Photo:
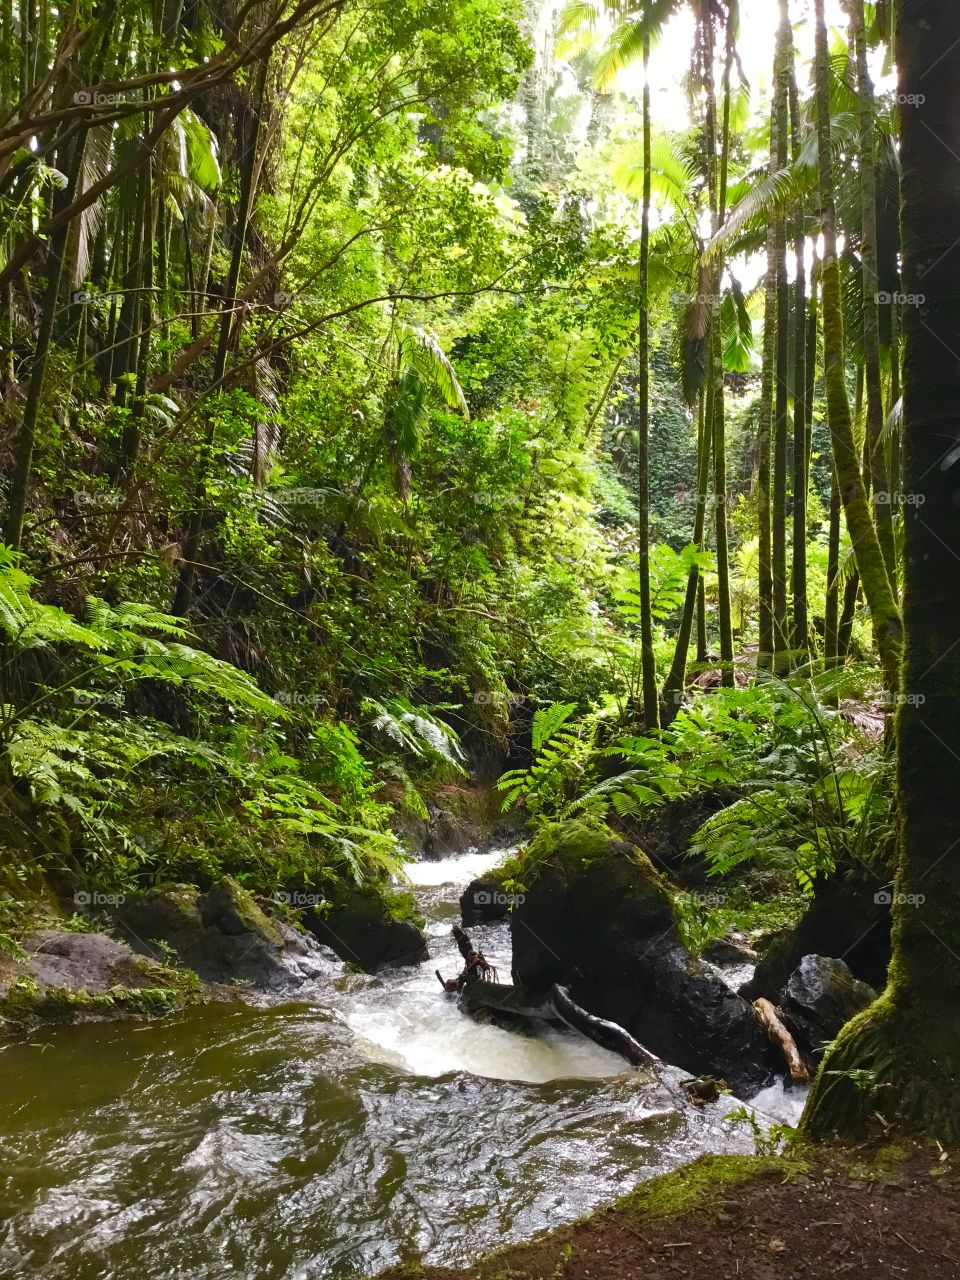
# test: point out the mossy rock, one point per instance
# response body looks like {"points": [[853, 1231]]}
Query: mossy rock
{"points": [[223, 935], [595, 915], [23, 1008], [370, 926], [581, 882], [666, 834], [458, 816], [845, 919], [227, 906], [64, 975]]}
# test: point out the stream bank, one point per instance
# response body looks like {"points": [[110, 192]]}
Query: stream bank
{"points": [[324, 1137], [823, 1212]]}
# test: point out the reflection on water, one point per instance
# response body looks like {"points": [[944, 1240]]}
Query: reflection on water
{"points": [[320, 1140]]}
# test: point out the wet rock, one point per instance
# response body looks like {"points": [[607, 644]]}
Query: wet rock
{"points": [[361, 930], [599, 918], [222, 935], [848, 917], [459, 817], [820, 997], [64, 975], [87, 962], [728, 951], [482, 901]]}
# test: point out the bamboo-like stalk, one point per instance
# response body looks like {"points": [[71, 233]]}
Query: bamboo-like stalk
{"points": [[870, 562]]}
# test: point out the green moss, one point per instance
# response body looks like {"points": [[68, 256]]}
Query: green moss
{"points": [[571, 847], [401, 904], [228, 899], [27, 1004], [702, 1184]]}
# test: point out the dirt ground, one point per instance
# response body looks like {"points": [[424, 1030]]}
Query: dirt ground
{"points": [[846, 1214]]}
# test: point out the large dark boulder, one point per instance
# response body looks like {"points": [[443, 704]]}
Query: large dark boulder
{"points": [[597, 917], [820, 997], [483, 901], [358, 926], [222, 935], [849, 917]]}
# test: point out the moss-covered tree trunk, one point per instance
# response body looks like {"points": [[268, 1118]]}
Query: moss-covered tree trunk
{"points": [[764, 444], [676, 680], [781, 417], [648, 660], [882, 498], [716, 183], [863, 533], [900, 1059], [800, 636]]}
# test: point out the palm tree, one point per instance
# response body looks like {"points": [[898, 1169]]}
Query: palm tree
{"points": [[421, 371], [900, 1058]]}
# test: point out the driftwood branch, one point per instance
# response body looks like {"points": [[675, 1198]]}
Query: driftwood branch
{"points": [[769, 1019]]}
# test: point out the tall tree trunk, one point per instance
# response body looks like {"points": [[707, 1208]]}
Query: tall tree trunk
{"points": [[191, 544], [26, 439], [800, 640], [781, 417], [716, 182], [676, 680], [870, 562], [831, 619], [141, 343], [882, 498], [651, 710], [900, 1058], [767, 637]]}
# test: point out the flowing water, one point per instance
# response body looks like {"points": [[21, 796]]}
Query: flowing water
{"points": [[369, 1122]]}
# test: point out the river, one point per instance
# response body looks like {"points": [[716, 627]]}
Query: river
{"points": [[325, 1139]]}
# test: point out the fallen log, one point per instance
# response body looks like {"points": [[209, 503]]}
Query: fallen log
{"points": [[610, 1035], [479, 989], [770, 1021], [502, 998], [558, 1006]]}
